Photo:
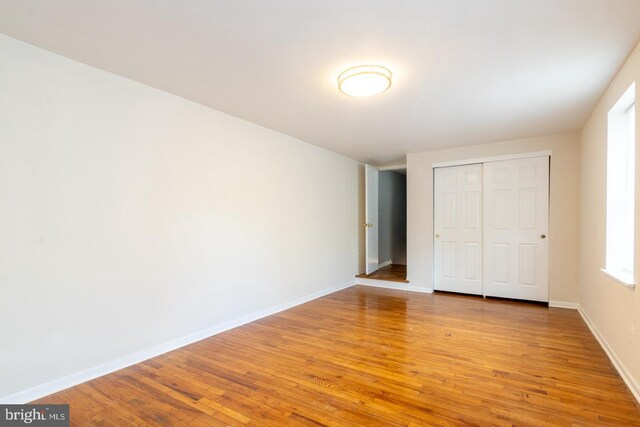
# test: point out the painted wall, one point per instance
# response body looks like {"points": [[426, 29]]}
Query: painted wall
{"points": [[131, 217], [612, 308], [392, 217], [563, 225]]}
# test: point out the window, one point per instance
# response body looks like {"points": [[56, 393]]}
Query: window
{"points": [[621, 143]]}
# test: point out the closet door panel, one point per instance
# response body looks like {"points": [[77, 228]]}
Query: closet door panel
{"points": [[458, 229], [516, 216]]}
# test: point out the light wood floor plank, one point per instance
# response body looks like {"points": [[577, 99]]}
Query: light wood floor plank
{"points": [[372, 356]]}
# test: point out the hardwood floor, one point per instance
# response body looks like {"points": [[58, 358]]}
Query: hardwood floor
{"points": [[391, 272], [367, 356]]}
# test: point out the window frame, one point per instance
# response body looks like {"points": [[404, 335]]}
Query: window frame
{"points": [[620, 203]]}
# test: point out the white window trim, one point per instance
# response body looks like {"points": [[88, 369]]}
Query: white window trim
{"points": [[625, 279]]}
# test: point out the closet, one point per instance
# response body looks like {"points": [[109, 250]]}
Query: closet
{"points": [[491, 228]]}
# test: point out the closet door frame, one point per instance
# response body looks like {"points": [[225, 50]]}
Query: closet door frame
{"points": [[482, 160], [491, 159]]}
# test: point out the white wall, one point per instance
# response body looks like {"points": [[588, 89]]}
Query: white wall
{"points": [[563, 224], [130, 217], [613, 309]]}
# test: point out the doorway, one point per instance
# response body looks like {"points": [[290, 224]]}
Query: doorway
{"points": [[386, 224]]}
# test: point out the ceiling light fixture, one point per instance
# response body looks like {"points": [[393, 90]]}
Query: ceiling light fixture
{"points": [[364, 80]]}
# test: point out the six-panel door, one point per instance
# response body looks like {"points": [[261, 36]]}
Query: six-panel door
{"points": [[458, 229], [516, 220]]}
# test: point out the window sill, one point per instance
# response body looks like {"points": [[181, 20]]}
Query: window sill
{"points": [[625, 280]]}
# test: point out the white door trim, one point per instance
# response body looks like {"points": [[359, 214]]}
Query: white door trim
{"points": [[491, 159], [394, 167]]}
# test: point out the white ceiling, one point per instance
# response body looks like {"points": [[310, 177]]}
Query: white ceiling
{"points": [[465, 71]]}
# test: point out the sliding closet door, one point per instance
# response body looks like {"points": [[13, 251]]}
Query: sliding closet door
{"points": [[516, 219], [458, 229]]}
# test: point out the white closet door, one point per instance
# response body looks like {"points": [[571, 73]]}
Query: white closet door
{"points": [[516, 220], [458, 229]]}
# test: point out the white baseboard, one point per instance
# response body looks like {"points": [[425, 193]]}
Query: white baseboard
{"points": [[388, 284], [382, 283], [622, 370], [384, 264], [65, 382], [563, 304], [424, 290]]}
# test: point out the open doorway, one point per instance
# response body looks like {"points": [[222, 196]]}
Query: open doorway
{"points": [[386, 224]]}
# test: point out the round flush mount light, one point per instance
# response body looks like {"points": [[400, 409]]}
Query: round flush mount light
{"points": [[364, 80]]}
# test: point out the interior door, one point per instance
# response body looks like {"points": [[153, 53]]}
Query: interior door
{"points": [[516, 243], [458, 229], [371, 218]]}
